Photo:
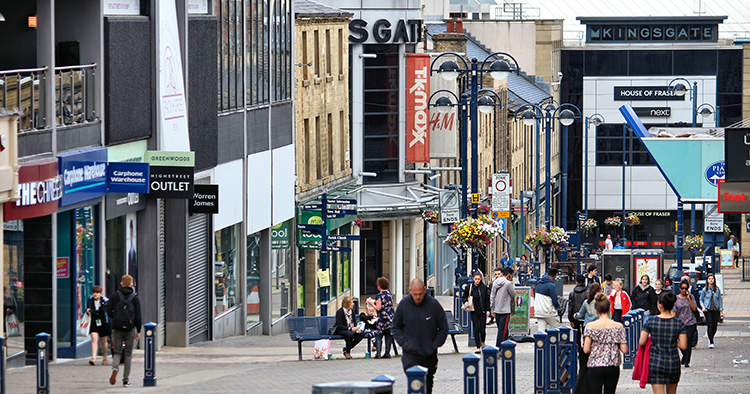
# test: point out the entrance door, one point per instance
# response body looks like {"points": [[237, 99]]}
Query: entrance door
{"points": [[371, 260]]}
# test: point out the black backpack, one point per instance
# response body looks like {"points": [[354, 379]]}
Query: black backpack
{"points": [[123, 316]]}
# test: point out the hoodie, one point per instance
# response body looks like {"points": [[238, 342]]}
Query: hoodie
{"points": [[576, 299], [115, 300], [420, 329], [545, 298], [502, 296]]}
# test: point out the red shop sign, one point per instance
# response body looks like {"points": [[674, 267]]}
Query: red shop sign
{"points": [[417, 110], [39, 188]]}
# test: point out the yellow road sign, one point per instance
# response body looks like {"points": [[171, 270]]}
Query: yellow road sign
{"points": [[475, 198]]}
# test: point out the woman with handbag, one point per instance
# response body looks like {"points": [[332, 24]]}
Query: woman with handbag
{"points": [[713, 307], [476, 300], [684, 309], [99, 328]]}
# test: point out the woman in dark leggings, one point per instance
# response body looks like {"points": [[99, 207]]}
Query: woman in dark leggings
{"points": [[713, 307], [604, 339], [481, 300]]}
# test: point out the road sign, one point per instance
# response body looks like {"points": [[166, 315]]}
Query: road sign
{"points": [[501, 191], [581, 217], [332, 248], [343, 237], [449, 207], [311, 227], [518, 209], [342, 201], [308, 207], [500, 214], [501, 224], [311, 245], [341, 212], [475, 198], [713, 220]]}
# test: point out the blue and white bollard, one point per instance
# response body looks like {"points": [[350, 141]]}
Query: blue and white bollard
{"points": [[42, 363], [489, 358], [508, 365], [629, 321], [471, 373], [416, 378], [540, 363], [552, 354], [568, 359], [2, 365], [384, 379], [149, 365]]}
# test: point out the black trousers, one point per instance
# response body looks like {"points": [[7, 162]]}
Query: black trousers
{"points": [[691, 331], [617, 316], [409, 360], [603, 379], [352, 339], [503, 320], [479, 323], [582, 381], [712, 320]]}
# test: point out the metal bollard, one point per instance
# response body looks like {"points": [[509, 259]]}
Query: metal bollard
{"points": [[552, 353], [300, 312], [508, 360], [431, 291], [489, 359], [416, 378], [323, 312], [628, 322], [284, 309], [568, 359], [42, 363], [471, 373], [149, 365], [540, 370], [385, 379], [2, 365]]}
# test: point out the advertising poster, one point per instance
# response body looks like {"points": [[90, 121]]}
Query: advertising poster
{"points": [[132, 245], [63, 268], [519, 320], [647, 266], [726, 258]]}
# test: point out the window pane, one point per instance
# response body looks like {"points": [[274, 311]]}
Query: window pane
{"points": [[605, 63], [225, 268], [650, 62]]}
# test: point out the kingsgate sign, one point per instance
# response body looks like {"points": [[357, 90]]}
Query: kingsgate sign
{"points": [[417, 110]]}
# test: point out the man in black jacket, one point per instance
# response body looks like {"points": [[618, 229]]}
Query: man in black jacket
{"points": [[420, 328], [576, 298], [124, 310]]}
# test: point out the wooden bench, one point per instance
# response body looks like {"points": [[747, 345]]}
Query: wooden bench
{"points": [[313, 328], [454, 328]]}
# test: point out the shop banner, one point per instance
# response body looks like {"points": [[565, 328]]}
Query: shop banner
{"points": [[39, 189], [171, 182], [172, 126], [84, 175], [417, 110], [205, 199], [280, 236], [170, 159], [443, 127], [128, 178]]}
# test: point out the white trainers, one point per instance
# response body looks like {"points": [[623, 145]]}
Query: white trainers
{"points": [[710, 345]]}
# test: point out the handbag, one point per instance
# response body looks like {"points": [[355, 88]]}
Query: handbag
{"points": [[12, 328], [468, 306], [322, 349], [699, 315], [83, 326]]}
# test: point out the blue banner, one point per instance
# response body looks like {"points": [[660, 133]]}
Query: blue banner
{"points": [[84, 175], [128, 177]]}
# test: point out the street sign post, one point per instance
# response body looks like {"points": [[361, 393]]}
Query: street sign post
{"points": [[713, 221], [501, 191], [449, 207]]}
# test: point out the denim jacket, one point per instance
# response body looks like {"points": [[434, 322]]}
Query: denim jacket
{"points": [[707, 294]]}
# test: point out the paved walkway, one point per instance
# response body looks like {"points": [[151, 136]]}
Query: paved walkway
{"points": [[262, 364]]}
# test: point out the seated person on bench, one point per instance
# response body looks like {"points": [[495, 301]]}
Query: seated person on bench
{"points": [[345, 325]]}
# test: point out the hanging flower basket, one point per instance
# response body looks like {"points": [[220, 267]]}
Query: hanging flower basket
{"points": [[483, 209], [694, 244], [588, 224], [430, 216], [473, 233], [555, 238], [358, 222], [613, 221], [632, 219], [727, 230]]}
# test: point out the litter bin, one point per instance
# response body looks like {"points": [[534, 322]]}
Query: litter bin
{"points": [[559, 285], [353, 388]]}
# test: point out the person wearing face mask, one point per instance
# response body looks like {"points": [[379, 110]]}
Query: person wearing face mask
{"points": [[619, 301], [684, 309], [643, 296]]}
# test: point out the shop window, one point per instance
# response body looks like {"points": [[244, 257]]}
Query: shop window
{"points": [[13, 284], [281, 271], [225, 269], [253, 279]]}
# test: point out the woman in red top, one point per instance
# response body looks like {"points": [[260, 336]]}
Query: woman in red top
{"points": [[619, 302]]}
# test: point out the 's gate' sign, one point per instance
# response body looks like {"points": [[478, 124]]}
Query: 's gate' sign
{"points": [[417, 111]]}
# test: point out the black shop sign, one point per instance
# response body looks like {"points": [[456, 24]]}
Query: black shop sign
{"points": [[646, 93], [205, 199], [653, 112], [737, 154], [171, 182]]}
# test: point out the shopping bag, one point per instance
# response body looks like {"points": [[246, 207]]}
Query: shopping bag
{"points": [[83, 326], [468, 306], [322, 349], [11, 326]]}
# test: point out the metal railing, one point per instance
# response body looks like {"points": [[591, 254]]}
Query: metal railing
{"points": [[745, 269], [21, 90], [75, 95]]}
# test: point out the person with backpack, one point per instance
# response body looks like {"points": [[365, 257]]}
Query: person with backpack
{"points": [[124, 309]]}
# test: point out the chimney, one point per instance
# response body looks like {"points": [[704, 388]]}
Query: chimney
{"points": [[449, 42]]}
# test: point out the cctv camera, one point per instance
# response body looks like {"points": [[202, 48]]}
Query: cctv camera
{"points": [[559, 76]]}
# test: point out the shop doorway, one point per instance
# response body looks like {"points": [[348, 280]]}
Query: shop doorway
{"points": [[371, 260]]}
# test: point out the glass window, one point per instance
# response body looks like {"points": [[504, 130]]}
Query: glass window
{"points": [[606, 63], [280, 276], [609, 147], [344, 262], [253, 278], [225, 268], [85, 259], [695, 62], [282, 48], [381, 113], [231, 82], [13, 283], [650, 62]]}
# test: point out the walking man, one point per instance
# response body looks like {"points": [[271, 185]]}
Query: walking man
{"points": [[503, 303], [545, 301], [420, 328], [124, 309], [592, 276]]}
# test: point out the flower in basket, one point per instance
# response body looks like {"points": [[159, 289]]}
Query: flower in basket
{"points": [[588, 224], [727, 230], [473, 233], [430, 216], [555, 238], [483, 209], [614, 221], [358, 222], [694, 244], [632, 219]]}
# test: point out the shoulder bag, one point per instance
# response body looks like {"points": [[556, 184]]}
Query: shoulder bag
{"points": [[468, 306]]}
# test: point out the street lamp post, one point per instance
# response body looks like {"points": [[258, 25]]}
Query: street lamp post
{"points": [[596, 120], [478, 100], [624, 163]]}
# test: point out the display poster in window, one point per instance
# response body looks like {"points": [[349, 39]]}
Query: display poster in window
{"points": [[647, 266], [324, 279], [519, 319], [122, 7], [131, 240], [63, 267], [726, 258]]}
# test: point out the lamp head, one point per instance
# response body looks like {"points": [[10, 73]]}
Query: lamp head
{"points": [[449, 70], [499, 70], [567, 117], [528, 117], [443, 104], [485, 104], [596, 119], [679, 89], [706, 112]]}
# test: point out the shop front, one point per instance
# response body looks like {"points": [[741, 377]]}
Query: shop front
{"points": [[28, 264], [79, 237]]}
